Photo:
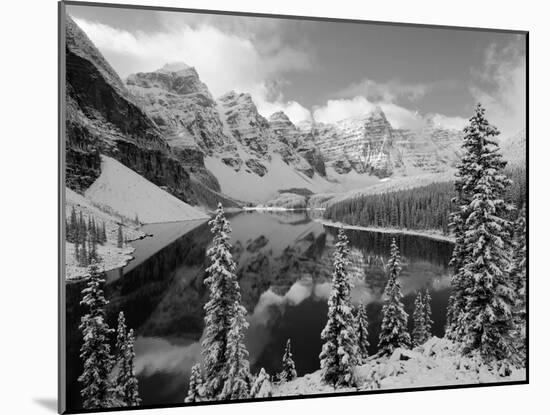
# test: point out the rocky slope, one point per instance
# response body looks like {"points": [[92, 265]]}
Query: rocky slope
{"points": [[104, 117], [370, 145], [514, 148]]}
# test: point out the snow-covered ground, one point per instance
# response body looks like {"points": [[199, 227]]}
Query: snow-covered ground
{"points": [[250, 187], [432, 234], [123, 191], [436, 363], [110, 255]]}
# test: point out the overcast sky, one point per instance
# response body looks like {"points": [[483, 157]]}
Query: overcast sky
{"points": [[325, 70]]}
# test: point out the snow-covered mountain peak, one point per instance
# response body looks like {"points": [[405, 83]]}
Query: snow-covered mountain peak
{"points": [[174, 67]]}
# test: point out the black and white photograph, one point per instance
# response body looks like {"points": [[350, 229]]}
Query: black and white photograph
{"points": [[262, 207]]}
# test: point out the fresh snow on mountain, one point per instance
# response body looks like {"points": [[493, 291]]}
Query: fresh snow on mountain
{"points": [[249, 186], [127, 193]]}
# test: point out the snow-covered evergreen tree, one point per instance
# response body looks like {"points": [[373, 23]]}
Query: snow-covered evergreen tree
{"points": [[194, 394], [97, 389], [483, 292], [419, 335], [518, 270], [236, 384], [362, 332], [428, 313], [126, 381], [261, 388], [223, 309], [289, 368], [339, 354], [130, 385], [393, 333]]}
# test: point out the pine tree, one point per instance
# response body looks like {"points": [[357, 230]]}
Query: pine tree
{"points": [[126, 381], [362, 333], [130, 386], [261, 388], [92, 252], [83, 254], [97, 389], [289, 368], [484, 295], [393, 333], [103, 233], [120, 347], [194, 393], [120, 237], [339, 354], [238, 370], [428, 316], [419, 318], [223, 310], [72, 228]]}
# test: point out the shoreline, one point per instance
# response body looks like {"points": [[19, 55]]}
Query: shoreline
{"points": [[277, 209], [438, 236]]}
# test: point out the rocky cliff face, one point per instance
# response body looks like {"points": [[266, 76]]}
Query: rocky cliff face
{"points": [[183, 108], [260, 137], [104, 117], [370, 145]]}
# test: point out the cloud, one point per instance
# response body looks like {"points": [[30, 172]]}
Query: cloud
{"points": [[385, 91], [225, 60], [501, 86], [359, 106], [453, 123]]}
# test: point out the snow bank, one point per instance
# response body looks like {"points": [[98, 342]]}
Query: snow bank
{"points": [[125, 192], [436, 363], [426, 233]]}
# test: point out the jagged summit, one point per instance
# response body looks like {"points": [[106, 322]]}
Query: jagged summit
{"points": [[377, 113], [174, 67], [279, 116]]}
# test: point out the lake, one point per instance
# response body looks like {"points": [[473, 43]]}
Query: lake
{"points": [[284, 269]]}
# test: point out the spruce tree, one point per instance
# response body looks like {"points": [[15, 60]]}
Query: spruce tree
{"points": [[103, 233], [362, 333], [261, 388], [289, 368], [428, 316], [419, 317], [120, 237], [126, 381], [484, 293], [393, 332], [83, 254], [120, 348], [339, 354], [194, 393], [223, 309], [97, 389], [236, 384], [129, 385], [72, 228]]}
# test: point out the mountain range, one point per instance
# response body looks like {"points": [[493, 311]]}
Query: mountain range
{"points": [[166, 126]]}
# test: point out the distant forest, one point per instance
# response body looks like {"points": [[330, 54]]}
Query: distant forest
{"points": [[425, 207]]}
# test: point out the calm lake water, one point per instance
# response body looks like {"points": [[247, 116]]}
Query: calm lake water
{"points": [[284, 269]]}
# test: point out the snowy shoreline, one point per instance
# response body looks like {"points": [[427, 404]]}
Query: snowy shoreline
{"points": [[436, 235], [276, 209]]}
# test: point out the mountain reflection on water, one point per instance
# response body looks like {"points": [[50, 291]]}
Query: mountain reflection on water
{"points": [[284, 269]]}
